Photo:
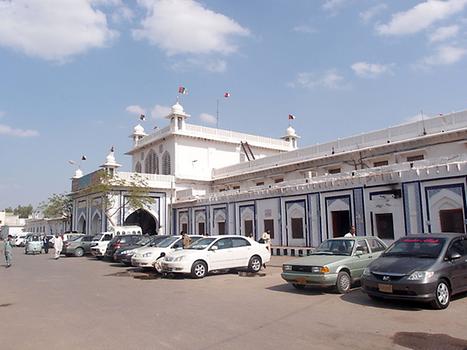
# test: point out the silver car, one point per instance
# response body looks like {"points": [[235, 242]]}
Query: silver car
{"points": [[78, 246]]}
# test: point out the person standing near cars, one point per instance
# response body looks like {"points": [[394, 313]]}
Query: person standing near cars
{"points": [[8, 250], [351, 233], [186, 240], [58, 246], [45, 244]]}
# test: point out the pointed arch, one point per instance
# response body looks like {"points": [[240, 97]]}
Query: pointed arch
{"points": [[138, 167], [166, 164], [155, 163]]}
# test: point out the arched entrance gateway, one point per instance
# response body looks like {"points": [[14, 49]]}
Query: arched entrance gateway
{"points": [[143, 219]]}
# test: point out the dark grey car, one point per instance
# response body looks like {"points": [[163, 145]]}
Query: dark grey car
{"points": [[78, 247], [428, 267]]}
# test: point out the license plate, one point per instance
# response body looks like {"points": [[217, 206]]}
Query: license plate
{"points": [[300, 280], [385, 288]]}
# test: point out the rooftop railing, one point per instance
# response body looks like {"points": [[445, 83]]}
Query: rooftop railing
{"points": [[445, 123]]}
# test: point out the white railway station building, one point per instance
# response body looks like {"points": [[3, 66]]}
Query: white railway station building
{"points": [[388, 183]]}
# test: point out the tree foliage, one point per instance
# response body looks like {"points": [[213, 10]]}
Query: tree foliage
{"points": [[106, 184], [22, 211], [57, 206]]}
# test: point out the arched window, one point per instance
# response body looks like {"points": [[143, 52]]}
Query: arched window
{"points": [[155, 164], [166, 167], [138, 167]]}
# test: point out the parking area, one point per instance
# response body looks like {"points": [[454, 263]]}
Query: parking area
{"points": [[77, 303]]}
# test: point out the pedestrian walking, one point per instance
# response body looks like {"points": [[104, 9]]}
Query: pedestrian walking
{"points": [[45, 244], [58, 246], [8, 250]]}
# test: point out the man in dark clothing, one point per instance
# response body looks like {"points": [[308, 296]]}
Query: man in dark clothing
{"points": [[45, 244]]}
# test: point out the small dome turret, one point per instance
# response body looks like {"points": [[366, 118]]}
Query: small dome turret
{"points": [[291, 137]]}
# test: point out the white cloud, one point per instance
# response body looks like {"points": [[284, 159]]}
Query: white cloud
{"points": [[444, 33], [135, 109], [330, 79], [208, 118], [333, 5], [9, 131], [444, 55], [421, 17], [53, 30], [213, 65], [187, 27], [370, 70], [159, 112], [304, 28], [369, 14]]}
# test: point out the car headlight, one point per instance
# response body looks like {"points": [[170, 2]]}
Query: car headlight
{"points": [[286, 267], [128, 252], [420, 275], [179, 258], [366, 272], [316, 269], [147, 255]]}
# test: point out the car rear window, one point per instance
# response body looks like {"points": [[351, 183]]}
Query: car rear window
{"points": [[417, 247]]}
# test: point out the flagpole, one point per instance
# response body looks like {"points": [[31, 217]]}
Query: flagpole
{"points": [[217, 114]]}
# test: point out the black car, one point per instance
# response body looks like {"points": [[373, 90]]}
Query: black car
{"points": [[124, 254], [119, 242], [428, 267]]}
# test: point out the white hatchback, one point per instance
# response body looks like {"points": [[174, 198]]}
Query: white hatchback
{"points": [[148, 256], [217, 253]]}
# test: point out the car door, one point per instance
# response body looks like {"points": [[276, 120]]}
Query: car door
{"points": [[242, 251], [223, 256], [458, 267], [362, 256]]}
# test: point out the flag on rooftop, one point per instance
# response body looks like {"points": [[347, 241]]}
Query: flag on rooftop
{"points": [[291, 117], [182, 90], [83, 158], [142, 117], [227, 94]]}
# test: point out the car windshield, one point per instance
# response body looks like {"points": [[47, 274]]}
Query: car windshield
{"points": [[335, 247], [201, 244], [87, 238], [167, 242], [97, 237], [417, 247], [144, 240]]}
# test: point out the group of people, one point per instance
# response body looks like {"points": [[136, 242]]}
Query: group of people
{"points": [[8, 245]]}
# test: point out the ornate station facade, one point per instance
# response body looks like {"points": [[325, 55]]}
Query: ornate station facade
{"points": [[388, 183]]}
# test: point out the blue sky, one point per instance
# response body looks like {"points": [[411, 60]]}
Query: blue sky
{"points": [[75, 74]]}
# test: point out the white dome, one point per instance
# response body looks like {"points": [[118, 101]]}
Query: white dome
{"points": [[138, 130], [291, 131], [177, 109], [110, 159]]}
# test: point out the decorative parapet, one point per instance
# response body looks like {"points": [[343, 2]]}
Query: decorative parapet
{"points": [[404, 132]]}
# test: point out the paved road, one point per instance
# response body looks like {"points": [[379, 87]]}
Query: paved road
{"points": [[82, 303]]}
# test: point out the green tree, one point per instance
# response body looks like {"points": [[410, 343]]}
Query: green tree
{"points": [[57, 206], [23, 211], [106, 184]]}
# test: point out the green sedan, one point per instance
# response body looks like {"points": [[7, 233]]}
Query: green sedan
{"points": [[337, 262]]}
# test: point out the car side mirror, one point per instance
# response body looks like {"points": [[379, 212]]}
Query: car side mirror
{"points": [[359, 252], [214, 248], [454, 255]]}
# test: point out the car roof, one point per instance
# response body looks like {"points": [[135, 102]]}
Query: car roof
{"points": [[448, 235]]}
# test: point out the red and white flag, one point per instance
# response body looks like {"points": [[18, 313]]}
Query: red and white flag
{"points": [[182, 90], [291, 117], [227, 94]]}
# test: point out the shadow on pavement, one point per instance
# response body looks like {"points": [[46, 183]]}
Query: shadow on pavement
{"points": [[356, 296], [6, 305], [288, 288], [427, 341]]}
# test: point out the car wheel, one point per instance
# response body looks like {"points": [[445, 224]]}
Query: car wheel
{"points": [[255, 264], [79, 252], [199, 269], [343, 282], [442, 296], [298, 286], [158, 265]]}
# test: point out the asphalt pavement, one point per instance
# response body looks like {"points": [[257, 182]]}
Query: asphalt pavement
{"points": [[83, 303]]}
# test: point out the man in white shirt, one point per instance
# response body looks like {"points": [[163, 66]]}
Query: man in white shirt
{"points": [[351, 233]]}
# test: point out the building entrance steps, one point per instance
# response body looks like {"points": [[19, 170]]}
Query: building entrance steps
{"points": [[291, 251]]}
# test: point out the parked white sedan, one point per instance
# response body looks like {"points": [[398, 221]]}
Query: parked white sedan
{"points": [[217, 253], [148, 256]]}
